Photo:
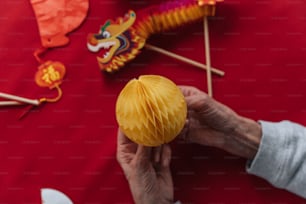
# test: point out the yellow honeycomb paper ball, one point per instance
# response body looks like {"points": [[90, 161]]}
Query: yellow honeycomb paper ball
{"points": [[151, 110]]}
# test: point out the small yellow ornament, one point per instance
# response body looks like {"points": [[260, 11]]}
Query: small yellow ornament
{"points": [[151, 110]]}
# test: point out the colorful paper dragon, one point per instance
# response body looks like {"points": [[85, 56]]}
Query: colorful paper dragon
{"points": [[120, 41]]}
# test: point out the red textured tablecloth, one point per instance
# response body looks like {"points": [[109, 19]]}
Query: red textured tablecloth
{"points": [[70, 145]]}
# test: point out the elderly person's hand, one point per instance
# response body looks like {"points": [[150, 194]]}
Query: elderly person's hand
{"points": [[147, 170], [214, 124]]}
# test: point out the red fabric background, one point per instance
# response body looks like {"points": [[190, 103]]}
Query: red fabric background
{"points": [[70, 145]]}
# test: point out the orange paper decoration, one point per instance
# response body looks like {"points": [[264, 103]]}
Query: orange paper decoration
{"points": [[56, 18]]}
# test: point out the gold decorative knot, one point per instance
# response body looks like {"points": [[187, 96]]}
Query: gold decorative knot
{"points": [[50, 75]]}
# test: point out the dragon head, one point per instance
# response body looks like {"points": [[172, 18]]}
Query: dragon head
{"points": [[116, 42]]}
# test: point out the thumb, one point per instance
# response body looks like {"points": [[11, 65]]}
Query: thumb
{"points": [[184, 132], [165, 157], [164, 171]]}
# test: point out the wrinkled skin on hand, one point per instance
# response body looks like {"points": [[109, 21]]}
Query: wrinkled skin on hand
{"points": [[147, 170], [214, 124]]}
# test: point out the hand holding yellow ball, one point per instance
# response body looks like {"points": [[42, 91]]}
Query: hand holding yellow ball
{"points": [[151, 110]]}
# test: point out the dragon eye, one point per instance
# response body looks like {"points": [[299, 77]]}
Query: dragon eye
{"points": [[106, 34]]}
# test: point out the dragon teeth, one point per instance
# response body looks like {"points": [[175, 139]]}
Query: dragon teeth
{"points": [[107, 44], [106, 55]]}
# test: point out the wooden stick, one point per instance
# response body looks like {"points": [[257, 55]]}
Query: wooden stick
{"points": [[183, 59], [207, 54], [10, 103], [34, 102]]}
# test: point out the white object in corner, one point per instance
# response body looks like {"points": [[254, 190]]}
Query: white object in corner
{"points": [[52, 196]]}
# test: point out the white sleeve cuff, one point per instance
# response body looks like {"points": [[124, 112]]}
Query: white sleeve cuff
{"points": [[281, 157]]}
